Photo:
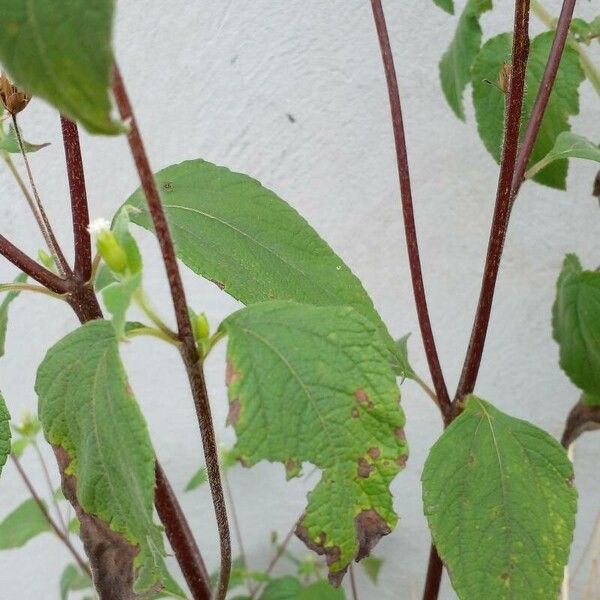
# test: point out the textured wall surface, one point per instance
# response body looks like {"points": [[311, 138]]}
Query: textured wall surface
{"points": [[292, 92]]}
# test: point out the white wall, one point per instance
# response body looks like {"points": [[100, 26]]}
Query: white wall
{"points": [[216, 79]]}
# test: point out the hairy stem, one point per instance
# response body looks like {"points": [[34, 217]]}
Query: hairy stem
{"points": [[541, 102], [408, 213], [79, 203], [32, 268], [39, 213], [61, 536], [29, 287], [189, 351]]}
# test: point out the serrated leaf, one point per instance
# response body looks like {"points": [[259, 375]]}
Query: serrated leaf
{"points": [[61, 51], [73, 580], [446, 5], [10, 296], [10, 143], [564, 100], [312, 384], [22, 524], [576, 326], [455, 66], [199, 478], [567, 145], [236, 233], [372, 566], [498, 494], [87, 407], [5, 433]]}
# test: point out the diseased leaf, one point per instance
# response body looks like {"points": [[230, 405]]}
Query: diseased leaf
{"points": [[576, 326], [73, 580], [498, 494], [61, 51], [567, 145], [236, 233], [563, 103], [21, 525], [199, 478], [312, 384], [5, 433], [10, 296], [446, 5], [87, 408], [10, 143], [455, 66]]}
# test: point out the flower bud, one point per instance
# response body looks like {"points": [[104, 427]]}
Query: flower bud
{"points": [[201, 327], [108, 246], [13, 99]]}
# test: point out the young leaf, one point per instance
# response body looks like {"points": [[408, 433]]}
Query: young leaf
{"points": [[372, 566], [447, 5], [199, 478], [61, 51], [312, 384], [563, 102], [22, 524], [231, 230], [405, 370], [73, 580], [498, 494], [576, 326], [10, 143], [455, 66], [117, 297], [87, 408], [5, 434], [567, 145], [4, 312]]}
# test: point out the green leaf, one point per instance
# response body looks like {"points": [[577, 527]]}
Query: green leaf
{"points": [[4, 312], [455, 66], [576, 326], [447, 5], [87, 407], [61, 51], [405, 370], [498, 494], [199, 478], [567, 145], [117, 297], [312, 384], [372, 566], [10, 143], [22, 524], [564, 100], [321, 590], [104, 278], [284, 588], [231, 230], [5, 433], [73, 580]]}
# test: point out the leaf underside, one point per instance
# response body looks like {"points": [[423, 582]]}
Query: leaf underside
{"points": [[564, 100], [312, 384], [499, 498], [231, 230]]}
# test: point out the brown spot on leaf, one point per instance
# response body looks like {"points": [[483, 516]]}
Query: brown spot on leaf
{"points": [[292, 468], [219, 284], [399, 433], [401, 460], [363, 399], [471, 459], [505, 576], [231, 374], [234, 412], [374, 452], [167, 186], [332, 554], [354, 413], [364, 467], [370, 528]]}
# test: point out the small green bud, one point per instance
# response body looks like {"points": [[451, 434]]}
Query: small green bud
{"points": [[108, 246], [46, 260], [201, 327]]}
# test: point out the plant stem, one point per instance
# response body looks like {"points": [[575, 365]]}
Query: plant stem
{"points": [[65, 540], [32, 268], [541, 102], [503, 204], [408, 213], [39, 213], [151, 332], [590, 70], [50, 487], [433, 579], [353, 583], [142, 301], [79, 203], [189, 351], [28, 287]]}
